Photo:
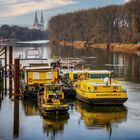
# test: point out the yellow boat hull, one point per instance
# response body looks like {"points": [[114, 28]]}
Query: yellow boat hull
{"points": [[101, 98], [52, 109]]}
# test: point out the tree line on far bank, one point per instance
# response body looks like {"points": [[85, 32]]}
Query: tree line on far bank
{"points": [[21, 33], [110, 24]]}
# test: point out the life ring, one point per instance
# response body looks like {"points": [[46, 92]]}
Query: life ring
{"points": [[30, 80]]}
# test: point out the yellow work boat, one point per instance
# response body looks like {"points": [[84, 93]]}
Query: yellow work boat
{"points": [[51, 100], [100, 88]]}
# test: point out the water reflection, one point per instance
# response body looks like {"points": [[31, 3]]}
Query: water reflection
{"points": [[98, 117], [53, 125], [23, 51], [30, 108], [0, 99]]}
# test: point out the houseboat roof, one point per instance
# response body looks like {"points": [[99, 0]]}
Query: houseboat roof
{"points": [[78, 71], [59, 84], [37, 68], [39, 64], [99, 71]]}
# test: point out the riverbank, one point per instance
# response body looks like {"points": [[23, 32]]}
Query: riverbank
{"points": [[130, 48]]}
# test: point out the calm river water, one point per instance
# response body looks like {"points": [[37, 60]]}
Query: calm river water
{"points": [[84, 122]]}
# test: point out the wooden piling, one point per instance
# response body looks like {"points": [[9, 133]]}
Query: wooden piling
{"points": [[2, 52], [5, 78], [10, 70], [2, 95], [1, 81], [0, 98], [16, 117], [16, 77], [16, 99]]}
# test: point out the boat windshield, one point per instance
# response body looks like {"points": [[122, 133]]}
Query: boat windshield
{"points": [[91, 76], [54, 88], [64, 67]]}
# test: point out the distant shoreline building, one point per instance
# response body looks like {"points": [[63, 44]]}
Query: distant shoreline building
{"points": [[38, 25]]}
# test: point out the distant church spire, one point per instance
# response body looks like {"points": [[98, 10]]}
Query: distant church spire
{"points": [[42, 18], [38, 25], [36, 18]]}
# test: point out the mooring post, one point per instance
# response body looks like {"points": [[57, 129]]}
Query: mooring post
{"points": [[10, 70], [16, 77], [16, 117], [1, 81], [2, 95], [5, 81], [16, 98]]}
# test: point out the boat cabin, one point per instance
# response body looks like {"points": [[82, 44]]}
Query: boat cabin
{"points": [[77, 74], [51, 100], [51, 90], [74, 75], [98, 74], [99, 85], [40, 75]]}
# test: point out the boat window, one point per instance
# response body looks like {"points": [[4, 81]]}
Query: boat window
{"points": [[50, 88], [51, 96], [115, 88], [59, 96], [61, 72], [56, 88], [66, 76], [91, 76], [105, 75], [35, 75], [76, 76], [48, 75], [71, 67], [49, 101]]}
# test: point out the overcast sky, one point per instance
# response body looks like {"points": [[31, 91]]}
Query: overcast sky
{"points": [[21, 12]]}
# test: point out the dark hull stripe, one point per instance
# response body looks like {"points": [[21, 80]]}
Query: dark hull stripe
{"points": [[53, 111], [101, 101]]}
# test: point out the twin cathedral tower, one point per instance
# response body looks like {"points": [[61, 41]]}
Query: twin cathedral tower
{"points": [[39, 25]]}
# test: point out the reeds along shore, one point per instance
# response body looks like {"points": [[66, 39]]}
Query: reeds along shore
{"points": [[132, 48]]}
